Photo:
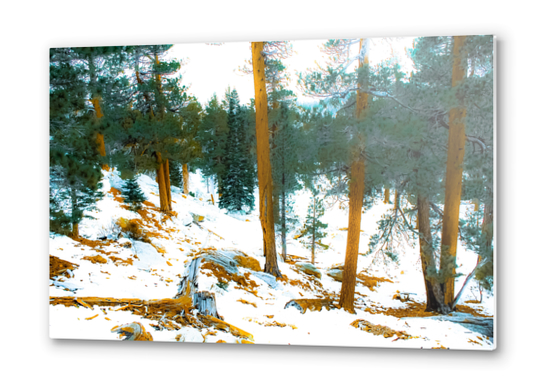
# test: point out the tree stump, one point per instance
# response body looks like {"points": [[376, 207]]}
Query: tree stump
{"points": [[203, 301]]}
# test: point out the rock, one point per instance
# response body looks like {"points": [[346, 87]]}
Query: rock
{"points": [[267, 278], [185, 219], [336, 274], [482, 325], [309, 269], [311, 304], [197, 218], [147, 256]]}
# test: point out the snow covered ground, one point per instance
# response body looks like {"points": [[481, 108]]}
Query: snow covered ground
{"points": [[134, 269]]}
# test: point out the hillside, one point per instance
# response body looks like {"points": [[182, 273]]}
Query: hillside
{"points": [[128, 267]]}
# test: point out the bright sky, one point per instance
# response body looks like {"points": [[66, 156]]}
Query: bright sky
{"points": [[213, 68]]}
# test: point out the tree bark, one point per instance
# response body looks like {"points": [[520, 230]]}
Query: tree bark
{"points": [[487, 223], [99, 136], [168, 183], [313, 245], [435, 299], [355, 203], [454, 175], [357, 185], [75, 225], [186, 179], [161, 180], [283, 222], [265, 182], [387, 196]]}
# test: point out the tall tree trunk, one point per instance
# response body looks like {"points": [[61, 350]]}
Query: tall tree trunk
{"points": [[355, 203], [75, 225], [454, 175], [396, 203], [434, 295], [99, 136], [313, 245], [487, 223], [168, 183], [186, 179], [487, 232], [283, 223], [265, 181], [386, 196], [162, 189], [476, 203], [355, 196]]}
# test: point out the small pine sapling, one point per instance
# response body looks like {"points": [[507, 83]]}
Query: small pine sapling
{"points": [[314, 227], [132, 194]]}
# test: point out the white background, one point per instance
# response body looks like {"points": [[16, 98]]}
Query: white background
{"points": [[29, 29]]}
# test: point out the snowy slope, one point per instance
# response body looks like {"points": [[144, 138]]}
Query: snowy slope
{"points": [[134, 269]]}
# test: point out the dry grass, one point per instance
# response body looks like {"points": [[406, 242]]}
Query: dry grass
{"points": [[372, 282], [95, 259], [59, 267], [377, 329], [414, 309]]}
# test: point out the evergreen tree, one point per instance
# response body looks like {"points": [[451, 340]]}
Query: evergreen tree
{"points": [[285, 148], [214, 137], [132, 194], [175, 174], [75, 164], [159, 122], [238, 181], [314, 227]]}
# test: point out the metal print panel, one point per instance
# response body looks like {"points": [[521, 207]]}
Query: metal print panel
{"points": [[326, 193]]}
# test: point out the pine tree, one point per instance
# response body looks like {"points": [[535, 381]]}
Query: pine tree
{"points": [[159, 122], [213, 135], [314, 227], [265, 181], [132, 194], [415, 163], [285, 145], [237, 189], [175, 174], [75, 164]]}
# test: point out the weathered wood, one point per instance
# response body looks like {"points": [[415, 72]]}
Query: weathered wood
{"points": [[168, 307], [211, 321], [133, 331], [203, 301]]}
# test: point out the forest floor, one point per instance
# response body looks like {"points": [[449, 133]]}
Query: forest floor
{"points": [[125, 270]]}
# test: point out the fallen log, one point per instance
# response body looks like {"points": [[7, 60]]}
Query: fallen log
{"points": [[133, 331], [211, 321], [148, 308]]}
